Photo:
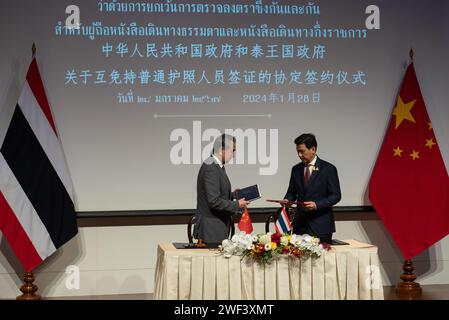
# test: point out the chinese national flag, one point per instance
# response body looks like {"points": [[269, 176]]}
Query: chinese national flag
{"points": [[245, 223], [409, 186]]}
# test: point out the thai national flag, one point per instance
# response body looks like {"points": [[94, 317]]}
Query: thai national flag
{"points": [[283, 224], [37, 214]]}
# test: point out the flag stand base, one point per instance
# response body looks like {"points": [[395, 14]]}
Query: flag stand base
{"points": [[408, 288], [29, 288], [200, 244]]}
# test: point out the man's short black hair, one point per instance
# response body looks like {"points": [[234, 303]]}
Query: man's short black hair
{"points": [[308, 139]]}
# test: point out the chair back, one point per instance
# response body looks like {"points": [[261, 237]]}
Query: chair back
{"points": [[191, 224]]}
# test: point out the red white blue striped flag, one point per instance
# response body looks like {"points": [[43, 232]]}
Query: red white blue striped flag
{"points": [[283, 224], [37, 213]]}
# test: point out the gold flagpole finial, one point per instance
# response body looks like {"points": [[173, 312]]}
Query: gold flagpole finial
{"points": [[412, 53], [33, 49]]}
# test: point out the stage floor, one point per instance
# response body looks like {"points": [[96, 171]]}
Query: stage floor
{"points": [[430, 292]]}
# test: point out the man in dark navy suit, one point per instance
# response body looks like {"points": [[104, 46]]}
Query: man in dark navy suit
{"points": [[314, 182]]}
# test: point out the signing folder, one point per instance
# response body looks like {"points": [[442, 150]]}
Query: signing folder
{"points": [[250, 193]]}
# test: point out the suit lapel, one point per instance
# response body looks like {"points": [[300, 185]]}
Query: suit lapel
{"points": [[315, 172], [212, 161], [301, 175], [227, 182], [224, 174]]}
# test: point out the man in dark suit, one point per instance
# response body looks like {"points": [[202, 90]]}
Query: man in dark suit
{"points": [[314, 182], [215, 206]]}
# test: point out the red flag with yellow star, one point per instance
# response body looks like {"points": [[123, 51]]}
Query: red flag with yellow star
{"points": [[245, 223], [409, 186]]}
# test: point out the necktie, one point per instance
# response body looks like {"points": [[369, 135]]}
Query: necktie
{"points": [[307, 174]]}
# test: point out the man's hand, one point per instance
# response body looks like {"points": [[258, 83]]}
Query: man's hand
{"points": [[309, 205], [286, 203], [234, 193], [243, 203]]}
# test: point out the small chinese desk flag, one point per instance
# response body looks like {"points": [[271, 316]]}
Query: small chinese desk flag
{"points": [[245, 223]]}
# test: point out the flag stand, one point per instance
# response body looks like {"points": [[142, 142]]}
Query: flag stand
{"points": [[200, 244], [28, 288], [408, 288]]}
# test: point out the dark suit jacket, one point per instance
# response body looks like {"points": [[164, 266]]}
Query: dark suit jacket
{"points": [[324, 189], [214, 203]]}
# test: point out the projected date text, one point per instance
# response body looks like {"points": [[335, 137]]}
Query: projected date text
{"points": [[276, 98]]}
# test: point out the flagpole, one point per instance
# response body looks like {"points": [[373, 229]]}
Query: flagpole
{"points": [[408, 288], [29, 289]]}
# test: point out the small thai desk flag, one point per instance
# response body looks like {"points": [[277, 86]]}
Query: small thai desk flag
{"points": [[37, 214], [283, 224]]}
